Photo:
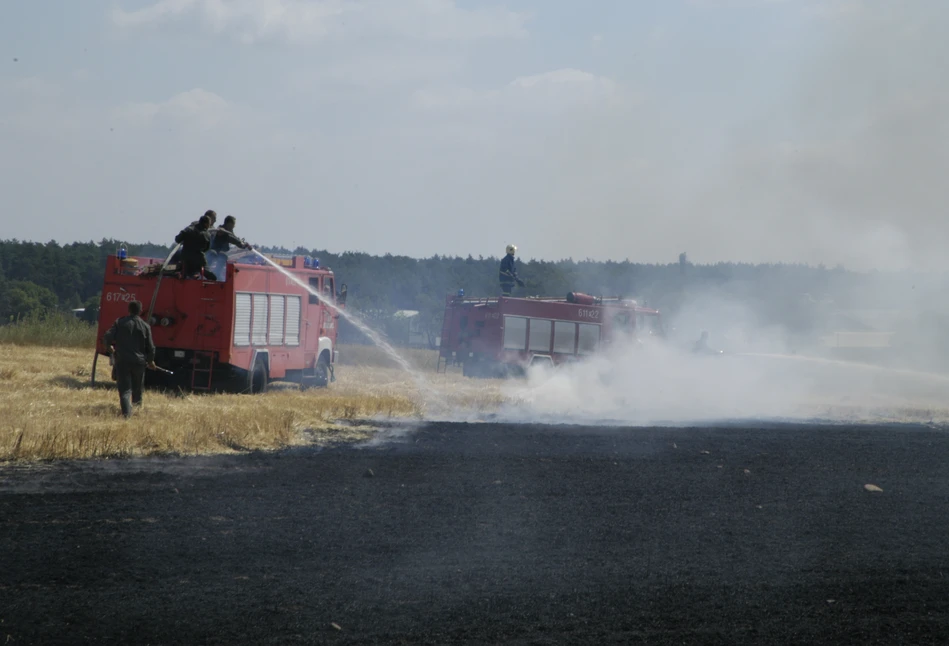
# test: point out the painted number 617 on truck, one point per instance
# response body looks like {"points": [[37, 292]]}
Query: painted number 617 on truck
{"points": [[118, 297]]}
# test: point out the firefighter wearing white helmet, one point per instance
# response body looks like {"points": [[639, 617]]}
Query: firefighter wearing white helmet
{"points": [[508, 273]]}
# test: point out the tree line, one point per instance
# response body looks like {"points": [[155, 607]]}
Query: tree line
{"points": [[37, 278]]}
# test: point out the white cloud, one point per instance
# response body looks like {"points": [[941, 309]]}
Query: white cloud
{"points": [[445, 20], [549, 91], [299, 21], [375, 70], [247, 20], [195, 108], [566, 83]]}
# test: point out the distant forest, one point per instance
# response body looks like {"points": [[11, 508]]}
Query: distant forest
{"points": [[44, 277]]}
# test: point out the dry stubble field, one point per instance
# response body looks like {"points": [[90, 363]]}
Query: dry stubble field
{"points": [[48, 410]]}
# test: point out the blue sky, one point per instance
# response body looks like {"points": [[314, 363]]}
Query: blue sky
{"points": [[756, 130]]}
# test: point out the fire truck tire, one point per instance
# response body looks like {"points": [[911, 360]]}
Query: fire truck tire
{"points": [[320, 377], [509, 370], [258, 377], [471, 369]]}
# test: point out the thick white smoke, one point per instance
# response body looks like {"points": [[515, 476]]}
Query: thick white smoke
{"points": [[747, 371], [658, 384]]}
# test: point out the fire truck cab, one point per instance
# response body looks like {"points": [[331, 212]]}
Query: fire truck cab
{"points": [[251, 326], [502, 336]]}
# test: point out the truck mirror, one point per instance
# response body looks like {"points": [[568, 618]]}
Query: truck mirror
{"points": [[341, 297]]}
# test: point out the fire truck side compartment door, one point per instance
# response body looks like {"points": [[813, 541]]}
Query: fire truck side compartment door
{"points": [[242, 319], [515, 332], [565, 337], [277, 309], [259, 323], [293, 320]]}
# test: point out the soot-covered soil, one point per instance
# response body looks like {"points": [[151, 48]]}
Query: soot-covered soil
{"points": [[457, 533]]}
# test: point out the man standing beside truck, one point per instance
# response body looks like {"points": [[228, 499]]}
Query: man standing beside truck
{"points": [[129, 341]]}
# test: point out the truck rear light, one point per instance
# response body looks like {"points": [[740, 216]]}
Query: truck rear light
{"points": [[153, 321], [165, 322]]}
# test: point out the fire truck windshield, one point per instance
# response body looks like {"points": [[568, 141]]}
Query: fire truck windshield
{"points": [[648, 323]]}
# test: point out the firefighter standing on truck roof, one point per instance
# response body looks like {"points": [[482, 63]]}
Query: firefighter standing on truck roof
{"points": [[221, 240], [129, 341], [508, 273], [195, 240], [212, 215], [223, 237]]}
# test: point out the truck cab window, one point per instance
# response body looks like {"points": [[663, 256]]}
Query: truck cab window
{"points": [[314, 286]]}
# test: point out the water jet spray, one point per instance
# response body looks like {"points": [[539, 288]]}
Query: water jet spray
{"points": [[428, 394]]}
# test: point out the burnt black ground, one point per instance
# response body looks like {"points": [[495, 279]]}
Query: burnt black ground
{"points": [[492, 534]]}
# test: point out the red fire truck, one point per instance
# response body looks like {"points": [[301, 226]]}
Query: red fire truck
{"points": [[251, 326], [502, 336]]}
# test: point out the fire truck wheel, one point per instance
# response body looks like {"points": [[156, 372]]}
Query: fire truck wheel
{"points": [[470, 369], [320, 377], [322, 372], [258, 378]]}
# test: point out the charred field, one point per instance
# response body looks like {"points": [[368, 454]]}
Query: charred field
{"points": [[491, 533]]}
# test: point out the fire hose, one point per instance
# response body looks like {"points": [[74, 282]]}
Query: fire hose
{"points": [[155, 368], [161, 271]]}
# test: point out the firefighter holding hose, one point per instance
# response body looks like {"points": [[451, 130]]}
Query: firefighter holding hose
{"points": [[130, 345], [221, 240], [508, 272], [223, 237]]}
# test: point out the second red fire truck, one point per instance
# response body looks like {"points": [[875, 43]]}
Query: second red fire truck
{"points": [[501, 336]]}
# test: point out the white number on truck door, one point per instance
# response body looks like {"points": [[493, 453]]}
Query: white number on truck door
{"points": [[120, 297]]}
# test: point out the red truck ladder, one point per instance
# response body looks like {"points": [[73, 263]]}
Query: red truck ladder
{"points": [[202, 367]]}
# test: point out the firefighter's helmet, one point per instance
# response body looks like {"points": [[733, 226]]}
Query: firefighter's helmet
{"points": [[511, 249]]}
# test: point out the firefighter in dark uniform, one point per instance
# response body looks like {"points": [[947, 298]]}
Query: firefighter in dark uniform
{"points": [[195, 240], [129, 341], [223, 237], [508, 273], [211, 214], [221, 240]]}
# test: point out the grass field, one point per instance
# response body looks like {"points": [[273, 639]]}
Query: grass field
{"points": [[57, 329], [48, 410]]}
